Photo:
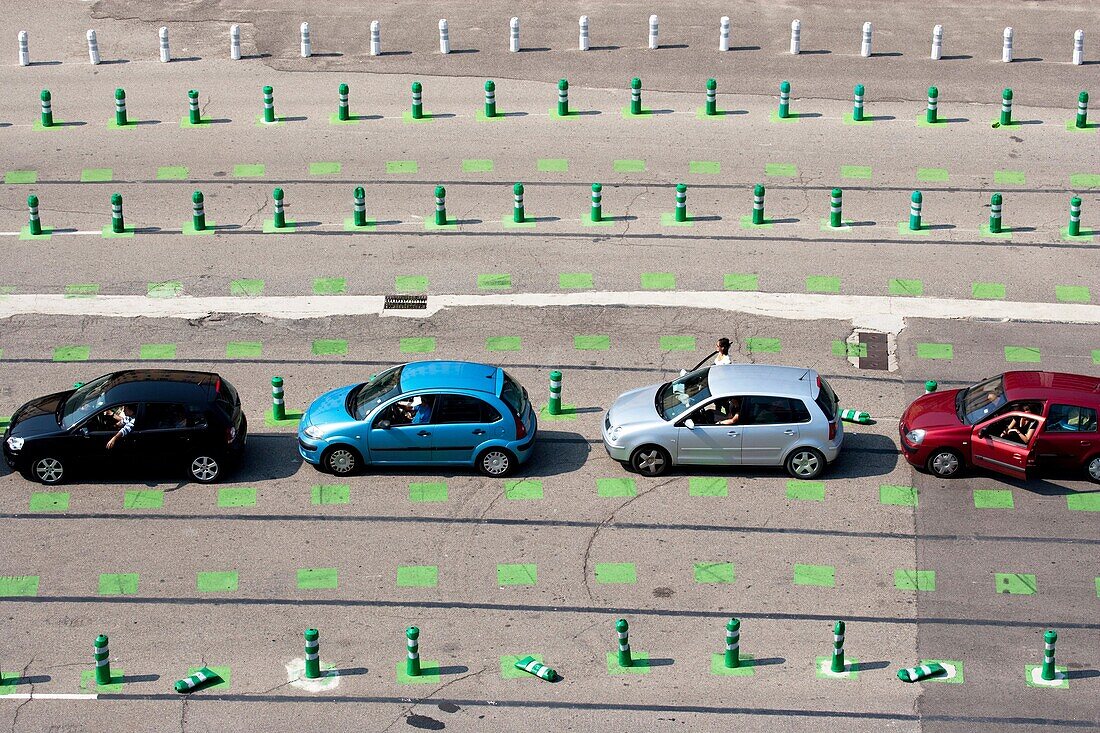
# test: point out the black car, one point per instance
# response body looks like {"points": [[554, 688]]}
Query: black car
{"points": [[190, 419]]}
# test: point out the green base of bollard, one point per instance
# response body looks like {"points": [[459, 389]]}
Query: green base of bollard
{"points": [[270, 228], [586, 221], [987, 232], [568, 412], [905, 231], [922, 121], [845, 227], [627, 114], [995, 124], [425, 117], [109, 233], [88, 683], [1071, 125], [56, 124], [334, 119], [746, 223], [668, 219], [429, 673], [481, 117], [189, 228], [430, 225], [260, 121], [112, 125], [25, 233], [823, 671], [292, 418], [1084, 236], [701, 113], [510, 223], [187, 124], [774, 117], [849, 119], [570, 115], [349, 225], [1033, 676], [640, 664], [718, 666]]}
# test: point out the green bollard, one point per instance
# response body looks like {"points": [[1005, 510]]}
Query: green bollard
{"points": [[635, 96], [733, 644], [1082, 111], [931, 386], [204, 676], [278, 404], [313, 654], [857, 104], [120, 107], [280, 215], [440, 205], [517, 204], [554, 405], [116, 214], [837, 664], [758, 204], [194, 117], [1049, 670], [930, 116], [359, 213], [269, 104], [914, 211], [198, 212], [490, 99], [597, 203], [47, 108], [995, 214], [418, 101], [712, 97], [342, 112], [784, 100], [34, 226], [563, 98], [102, 656], [412, 646], [835, 203], [1006, 107], [623, 629], [923, 672], [1074, 217], [681, 202]]}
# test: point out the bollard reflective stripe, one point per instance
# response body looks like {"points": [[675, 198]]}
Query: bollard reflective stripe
{"points": [[837, 664], [117, 225], [622, 628], [563, 98], [583, 23], [758, 204], [120, 107], [235, 42], [857, 103], [784, 99], [596, 213], [444, 37], [269, 104], [513, 35], [835, 203], [530, 665], [724, 33], [1049, 672], [796, 37], [375, 38], [412, 652], [189, 683], [681, 202], [93, 48], [307, 47], [47, 108], [712, 97], [732, 657], [165, 56], [1082, 110], [440, 205], [937, 42], [865, 45], [933, 104], [652, 32], [1078, 47], [24, 49], [313, 655], [517, 203], [1006, 107], [1006, 49]]}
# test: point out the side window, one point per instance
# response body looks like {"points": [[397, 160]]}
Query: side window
{"points": [[770, 411], [1071, 419], [1016, 430], [454, 408], [163, 416], [799, 413], [412, 411]]}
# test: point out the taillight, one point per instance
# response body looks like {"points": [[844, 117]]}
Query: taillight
{"points": [[832, 430], [230, 434], [521, 429]]}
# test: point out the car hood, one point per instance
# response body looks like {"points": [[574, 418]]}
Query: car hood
{"points": [[936, 409], [39, 416], [329, 408], [635, 406]]}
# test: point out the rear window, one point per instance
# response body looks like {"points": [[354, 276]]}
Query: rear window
{"points": [[226, 398], [827, 399], [1071, 419], [513, 395]]}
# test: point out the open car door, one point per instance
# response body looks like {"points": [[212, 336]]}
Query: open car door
{"points": [[995, 447]]}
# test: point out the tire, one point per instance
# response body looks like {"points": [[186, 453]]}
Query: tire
{"points": [[495, 462], [205, 469], [805, 463], [341, 460], [1092, 468], [650, 460], [48, 470], [944, 463]]}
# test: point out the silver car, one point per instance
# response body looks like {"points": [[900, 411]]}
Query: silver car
{"points": [[728, 415]]}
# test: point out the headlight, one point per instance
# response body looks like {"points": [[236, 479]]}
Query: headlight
{"points": [[914, 437], [614, 433], [15, 443], [314, 432]]}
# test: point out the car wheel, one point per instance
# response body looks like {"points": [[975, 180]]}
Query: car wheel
{"points": [[945, 463], [48, 470], [1093, 467], [806, 463], [495, 462], [205, 469], [650, 460], [341, 460]]}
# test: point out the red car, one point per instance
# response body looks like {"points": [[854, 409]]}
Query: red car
{"points": [[1018, 424]]}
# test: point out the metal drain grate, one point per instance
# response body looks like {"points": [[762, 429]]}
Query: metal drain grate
{"points": [[405, 302], [875, 353]]}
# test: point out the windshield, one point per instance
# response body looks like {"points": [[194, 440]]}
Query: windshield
{"points": [[515, 395], [366, 397], [85, 401], [680, 395], [982, 400]]}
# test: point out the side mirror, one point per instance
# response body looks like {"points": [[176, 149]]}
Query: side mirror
{"points": [[983, 432], [689, 424], [384, 424]]}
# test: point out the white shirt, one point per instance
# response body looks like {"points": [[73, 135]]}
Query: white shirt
{"points": [[722, 359]]}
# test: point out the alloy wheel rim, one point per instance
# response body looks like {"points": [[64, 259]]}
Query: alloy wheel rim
{"points": [[341, 461], [204, 468], [1094, 468], [805, 463], [946, 464], [495, 462], [49, 470], [651, 462]]}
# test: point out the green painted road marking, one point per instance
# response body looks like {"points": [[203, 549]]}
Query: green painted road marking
{"points": [[82, 290], [822, 284], [1083, 502], [821, 575], [96, 175], [713, 572], [157, 351], [640, 664], [845, 349], [744, 669], [402, 166], [856, 172], [575, 280], [477, 165], [677, 343], [658, 281], [760, 345], [417, 576], [1084, 180], [503, 343], [617, 573], [172, 173], [246, 288], [708, 486], [851, 668], [410, 284], [324, 168], [427, 492], [784, 170], [988, 291], [18, 585], [906, 287], [805, 490], [143, 499], [568, 412], [222, 672], [118, 584], [49, 501], [12, 178], [288, 227], [523, 489], [747, 223], [920, 580], [166, 289], [25, 234], [740, 281], [936, 351], [1009, 178], [1016, 584], [244, 350], [1024, 354], [1098, 587], [1072, 294], [704, 167], [217, 582], [329, 286], [613, 488], [932, 175], [592, 343], [517, 574], [418, 345], [292, 418], [248, 170], [318, 579], [235, 496], [553, 165], [509, 671], [330, 347], [88, 683], [993, 499], [1095, 356], [330, 494], [494, 281], [628, 166], [429, 668], [1033, 671], [71, 353], [897, 495]]}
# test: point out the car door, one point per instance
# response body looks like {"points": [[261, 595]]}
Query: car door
{"points": [[394, 438], [707, 442], [162, 435], [460, 424], [771, 429], [1068, 436], [992, 450], [88, 440]]}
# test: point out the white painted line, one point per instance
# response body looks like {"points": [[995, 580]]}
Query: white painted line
{"points": [[49, 696]]}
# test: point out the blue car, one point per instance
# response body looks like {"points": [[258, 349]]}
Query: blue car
{"points": [[425, 413]]}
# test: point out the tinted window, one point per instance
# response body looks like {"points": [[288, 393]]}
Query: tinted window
{"points": [[982, 400], [799, 411], [680, 395], [1071, 419], [454, 408], [84, 401], [826, 400], [417, 410], [226, 397], [381, 387], [163, 416], [775, 411], [513, 395]]}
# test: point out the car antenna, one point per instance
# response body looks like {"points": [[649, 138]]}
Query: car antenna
{"points": [[804, 375]]}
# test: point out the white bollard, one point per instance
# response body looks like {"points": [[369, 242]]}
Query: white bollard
{"points": [[937, 42], [93, 48], [865, 46], [583, 22], [375, 38], [307, 46], [24, 49], [652, 32], [796, 36], [235, 42], [444, 37], [724, 34], [1006, 49], [513, 38], [1078, 47], [165, 56]]}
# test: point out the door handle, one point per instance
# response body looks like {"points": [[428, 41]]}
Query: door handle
{"points": [[423, 432], [1086, 442], [732, 432], [479, 431], [788, 432], [1017, 456]]}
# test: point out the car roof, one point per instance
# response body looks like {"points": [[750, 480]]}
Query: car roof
{"points": [[457, 375], [764, 379], [160, 385], [1036, 385]]}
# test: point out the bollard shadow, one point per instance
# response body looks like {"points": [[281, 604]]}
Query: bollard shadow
{"points": [[299, 118], [1016, 230], [952, 120], [395, 53], [114, 62], [865, 666], [1090, 63], [744, 48], [438, 115], [460, 222], [44, 63], [662, 47], [300, 224], [67, 230], [141, 123], [387, 223], [886, 54], [5, 124], [880, 118], [71, 123], [146, 230], [804, 115], [327, 54], [788, 220], [511, 114], [597, 48], [187, 58], [727, 112], [583, 112], [936, 227], [36, 679], [216, 121], [1028, 60], [251, 56], [451, 669], [867, 223], [658, 662], [1082, 674], [1014, 123], [539, 219], [709, 217], [533, 50], [657, 111], [364, 118], [768, 662], [464, 50], [346, 672], [957, 57], [138, 678], [816, 52], [223, 228], [624, 217]]}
